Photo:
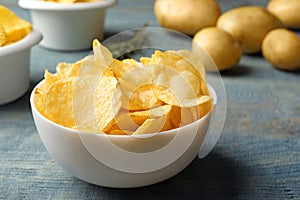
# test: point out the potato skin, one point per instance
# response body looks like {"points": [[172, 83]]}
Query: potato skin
{"points": [[288, 11], [224, 49], [249, 25], [281, 47], [186, 16]]}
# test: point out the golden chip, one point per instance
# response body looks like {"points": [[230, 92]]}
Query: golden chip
{"points": [[141, 99], [15, 28], [153, 125], [63, 70], [102, 55], [59, 103], [107, 101], [132, 120], [99, 94], [83, 102], [2, 36], [120, 68]]}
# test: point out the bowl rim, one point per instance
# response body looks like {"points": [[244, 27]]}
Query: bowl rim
{"points": [[31, 39], [54, 6], [35, 110]]}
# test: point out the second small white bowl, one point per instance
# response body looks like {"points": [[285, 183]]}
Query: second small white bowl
{"points": [[68, 27], [15, 67]]}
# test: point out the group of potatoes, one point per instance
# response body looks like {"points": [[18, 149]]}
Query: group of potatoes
{"points": [[246, 29]]}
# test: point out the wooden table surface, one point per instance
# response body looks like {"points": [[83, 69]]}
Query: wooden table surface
{"points": [[256, 157]]}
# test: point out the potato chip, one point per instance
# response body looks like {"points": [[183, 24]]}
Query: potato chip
{"points": [[120, 132], [153, 125], [49, 80], [102, 55], [15, 28], [42, 91], [83, 102], [120, 68], [63, 70], [170, 86], [193, 59], [141, 99], [40, 100], [181, 116], [59, 103], [87, 129], [66, 1], [145, 60], [174, 59], [2, 36], [170, 97], [107, 101], [132, 120], [127, 122], [99, 94], [62, 1], [181, 61]]}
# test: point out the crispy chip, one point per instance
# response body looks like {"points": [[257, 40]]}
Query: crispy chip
{"points": [[63, 70], [83, 102], [168, 96], [2, 36], [194, 60], [102, 55], [87, 129], [120, 68], [66, 1], [107, 101], [15, 28], [99, 94], [141, 99], [49, 80], [153, 125], [181, 61], [59, 103], [42, 91], [120, 132], [132, 120]]}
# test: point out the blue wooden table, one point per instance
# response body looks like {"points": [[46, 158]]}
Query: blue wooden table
{"points": [[256, 157]]}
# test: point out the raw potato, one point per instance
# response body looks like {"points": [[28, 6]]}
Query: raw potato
{"points": [[224, 49], [281, 48], [249, 25], [288, 11], [186, 16]]}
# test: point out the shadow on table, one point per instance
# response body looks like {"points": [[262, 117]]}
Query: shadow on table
{"points": [[241, 70], [213, 177], [21, 104]]}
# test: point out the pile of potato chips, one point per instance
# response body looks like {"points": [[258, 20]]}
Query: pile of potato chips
{"points": [[12, 28], [100, 94]]}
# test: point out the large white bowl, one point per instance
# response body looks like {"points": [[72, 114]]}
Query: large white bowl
{"points": [[68, 27], [117, 160], [14, 67]]}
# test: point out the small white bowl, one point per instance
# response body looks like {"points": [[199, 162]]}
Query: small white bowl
{"points": [[68, 27], [121, 161], [14, 67]]}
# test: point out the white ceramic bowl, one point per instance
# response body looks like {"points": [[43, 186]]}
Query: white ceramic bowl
{"points": [[68, 27], [14, 67], [117, 160]]}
